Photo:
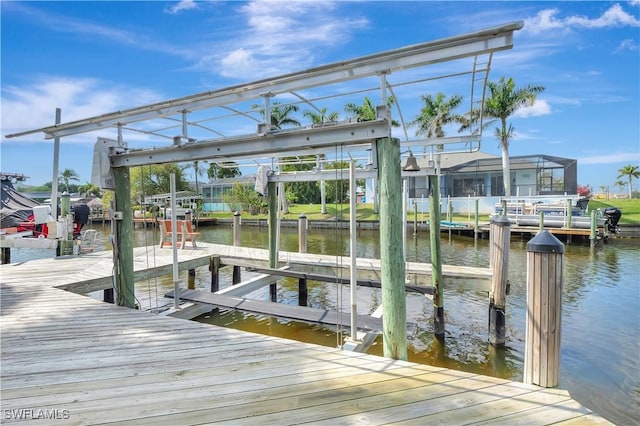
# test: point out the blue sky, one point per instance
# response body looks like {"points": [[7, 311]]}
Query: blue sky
{"points": [[90, 58]]}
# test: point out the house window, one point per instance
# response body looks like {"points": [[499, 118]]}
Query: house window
{"points": [[497, 185], [469, 186]]}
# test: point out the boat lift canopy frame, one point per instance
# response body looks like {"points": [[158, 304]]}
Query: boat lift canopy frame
{"points": [[268, 141]]}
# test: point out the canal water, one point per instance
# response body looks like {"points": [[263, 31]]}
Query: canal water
{"points": [[600, 356]]}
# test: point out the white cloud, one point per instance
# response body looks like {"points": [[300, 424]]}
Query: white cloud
{"points": [[625, 157], [33, 106], [627, 44], [281, 37], [548, 19], [539, 107], [182, 5]]}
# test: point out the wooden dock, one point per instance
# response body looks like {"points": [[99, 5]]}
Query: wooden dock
{"points": [[70, 359]]}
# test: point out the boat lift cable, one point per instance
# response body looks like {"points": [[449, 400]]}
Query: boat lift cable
{"points": [[146, 244]]}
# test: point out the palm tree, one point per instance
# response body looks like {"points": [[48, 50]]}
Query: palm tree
{"points": [[223, 170], [89, 190], [280, 115], [503, 101], [67, 175], [630, 172], [367, 111], [435, 114], [321, 117]]}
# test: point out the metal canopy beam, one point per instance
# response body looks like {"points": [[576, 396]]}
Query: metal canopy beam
{"points": [[472, 44], [255, 146]]}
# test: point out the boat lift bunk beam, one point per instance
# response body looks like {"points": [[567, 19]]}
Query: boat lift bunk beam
{"points": [[443, 50]]}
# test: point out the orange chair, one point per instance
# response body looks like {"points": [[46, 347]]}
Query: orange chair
{"points": [[188, 234], [166, 233]]}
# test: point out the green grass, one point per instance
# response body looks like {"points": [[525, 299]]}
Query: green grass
{"points": [[630, 208], [630, 212]]}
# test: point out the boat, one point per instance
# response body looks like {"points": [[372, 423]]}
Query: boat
{"points": [[25, 223], [565, 212]]}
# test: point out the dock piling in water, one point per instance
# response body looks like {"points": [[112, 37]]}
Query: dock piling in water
{"points": [[499, 259], [302, 248], [545, 255], [237, 241]]}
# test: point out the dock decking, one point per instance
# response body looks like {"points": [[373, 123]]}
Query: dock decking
{"points": [[74, 360]]}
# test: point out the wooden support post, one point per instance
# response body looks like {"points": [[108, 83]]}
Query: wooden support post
{"points": [[436, 260], [545, 255], [125, 286], [415, 218], [541, 221], [214, 267], [273, 235], [392, 268], [6, 255], [449, 214], [236, 242], [191, 281], [499, 263], [504, 207], [476, 223], [593, 234], [302, 248], [66, 244], [569, 220]]}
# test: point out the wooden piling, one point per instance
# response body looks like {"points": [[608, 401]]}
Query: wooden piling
{"points": [[500, 230], [302, 248], [476, 224], [392, 268], [541, 221], [66, 244], [436, 260], [191, 281], [237, 241], [273, 235], [593, 234], [125, 287], [6, 255], [544, 310], [214, 268]]}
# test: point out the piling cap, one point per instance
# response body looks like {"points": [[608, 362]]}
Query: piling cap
{"points": [[545, 242], [501, 221]]}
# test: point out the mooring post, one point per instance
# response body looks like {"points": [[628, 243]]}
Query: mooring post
{"points": [[66, 244], [392, 270], [499, 263], [6, 255], [191, 281], [237, 219], [302, 248], [504, 207], [273, 235], [125, 287], [569, 213], [415, 218], [541, 221], [214, 267], [436, 262], [476, 224], [545, 255], [593, 234]]}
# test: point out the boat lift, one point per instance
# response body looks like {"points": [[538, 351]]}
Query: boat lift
{"points": [[186, 126]]}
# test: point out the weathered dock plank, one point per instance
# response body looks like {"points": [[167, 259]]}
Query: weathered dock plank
{"points": [[80, 361]]}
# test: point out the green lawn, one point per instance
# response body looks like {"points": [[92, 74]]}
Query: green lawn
{"points": [[630, 212], [630, 208]]}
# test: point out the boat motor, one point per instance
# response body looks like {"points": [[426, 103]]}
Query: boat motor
{"points": [[613, 215]]}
